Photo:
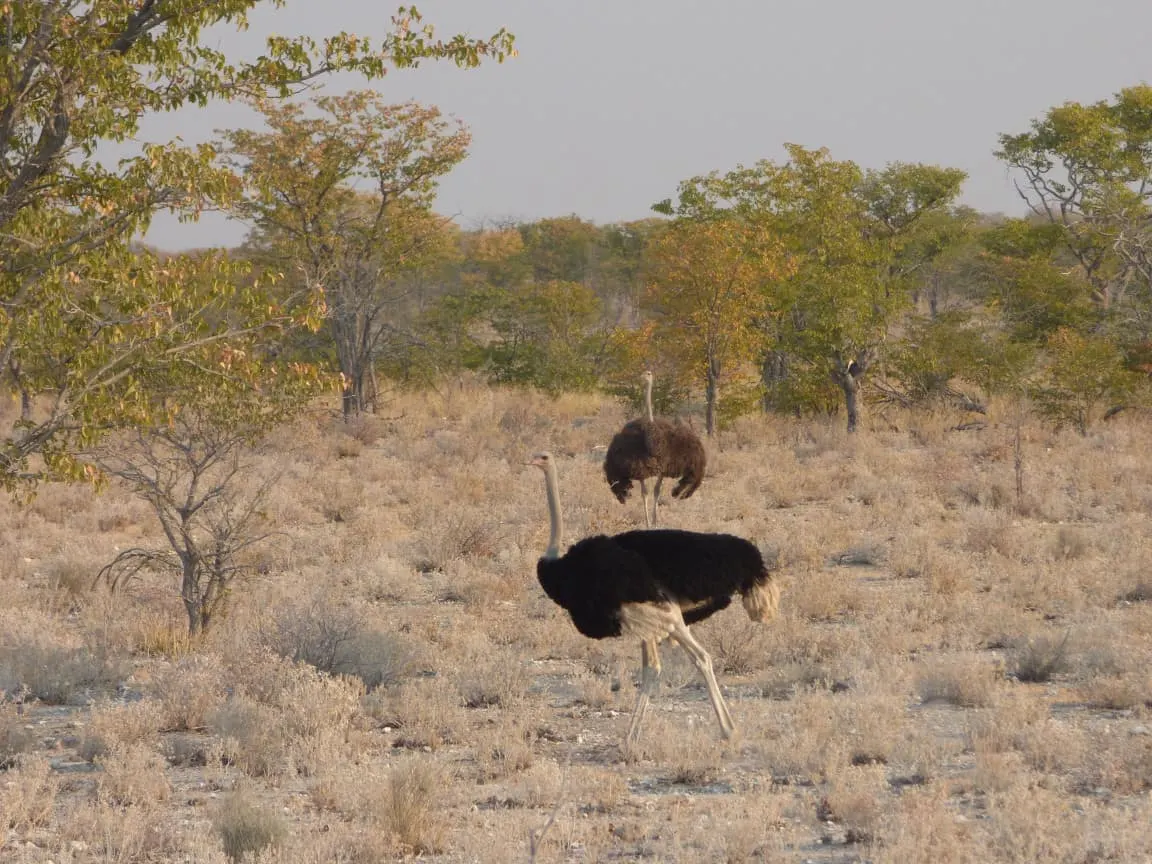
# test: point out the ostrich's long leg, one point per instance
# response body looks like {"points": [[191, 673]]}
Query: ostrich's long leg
{"points": [[703, 662], [649, 680], [656, 498], [644, 499]]}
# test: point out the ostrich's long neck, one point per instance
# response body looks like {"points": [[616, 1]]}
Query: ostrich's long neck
{"points": [[648, 398], [554, 515]]}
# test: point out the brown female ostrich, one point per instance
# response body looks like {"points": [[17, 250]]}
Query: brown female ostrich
{"points": [[653, 447], [652, 585]]}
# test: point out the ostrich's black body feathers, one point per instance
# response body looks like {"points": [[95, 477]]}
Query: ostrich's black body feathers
{"points": [[698, 572]]}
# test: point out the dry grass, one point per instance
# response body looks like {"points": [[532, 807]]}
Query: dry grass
{"points": [[247, 828], [111, 724], [409, 808], [133, 775], [954, 676], [27, 795]]}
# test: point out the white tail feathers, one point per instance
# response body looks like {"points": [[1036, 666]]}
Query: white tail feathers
{"points": [[763, 601]]}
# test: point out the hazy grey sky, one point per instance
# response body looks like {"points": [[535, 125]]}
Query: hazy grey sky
{"points": [[612, 102]]}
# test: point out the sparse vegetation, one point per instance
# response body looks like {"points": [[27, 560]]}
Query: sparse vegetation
{"points": [[926, 676]]}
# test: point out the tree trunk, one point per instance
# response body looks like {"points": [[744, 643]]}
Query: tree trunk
{"points": [[847, 376], [193, 602], [773, 372], [375, 387], [934, 296], [25, 396], [851, 387], [350, 401], [348, 336], [711, 397]]}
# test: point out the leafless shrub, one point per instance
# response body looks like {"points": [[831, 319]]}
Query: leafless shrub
{"points": [[1119, 691], [133, 775], [985, 537], [922, 826], [253, 735], [740, 649], [863, 555], [967, 683], [336, 640], [72, 577], [1039, 658], [338, 789], [27, 794], [102, 830], [160, 635], [189, 691], [410, 809], [246, 828], [192, 475], [364, 428], [347, 448], [507, 750], [15, 738], [61, 675], [454, 536], [427, 712], [854, 802], [186, 751], [824, 595], [339, 499], [1141, 593], [111, 725], [496, 680], [1070, 543]]}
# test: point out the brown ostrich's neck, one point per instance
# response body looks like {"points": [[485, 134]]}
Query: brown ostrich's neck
{"points": [[555, 517], [648, 398]]}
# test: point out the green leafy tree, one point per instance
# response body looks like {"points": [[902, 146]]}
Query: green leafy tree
{"points": [[559, 249], [456, 332], [926, 359], [706, 297], [1087, 171], [856, 245], [358, 247], [85, 320], [621, 268], [1024, 281], [546, 336], [495, 257], [1081, 375]]}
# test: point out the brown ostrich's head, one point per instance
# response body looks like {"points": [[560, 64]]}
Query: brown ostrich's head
{"points": [[541, 460]]}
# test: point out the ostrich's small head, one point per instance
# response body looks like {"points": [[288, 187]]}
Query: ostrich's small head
{"points": [[541, 460], [647, 376]]}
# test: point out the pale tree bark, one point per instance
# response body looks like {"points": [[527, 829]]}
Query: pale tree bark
{"points": [[711, 395], [847, 372]]}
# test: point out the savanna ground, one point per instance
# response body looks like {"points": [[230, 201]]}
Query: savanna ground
{"points": [[957, 673]]}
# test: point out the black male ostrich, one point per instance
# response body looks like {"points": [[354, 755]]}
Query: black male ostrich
{"points": [[654, 447], [651, 585]]}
